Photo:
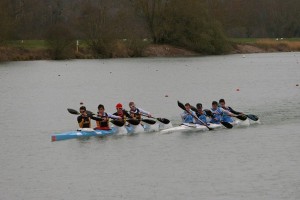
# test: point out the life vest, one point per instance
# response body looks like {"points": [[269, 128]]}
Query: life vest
{"points": [[187, 118], [103, 124], [202, 116], [226, 117], [217, 116], [84, 122], [122, 115], [136, 114]]}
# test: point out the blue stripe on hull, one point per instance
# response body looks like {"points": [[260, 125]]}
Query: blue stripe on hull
{"points": [[79, 134]]}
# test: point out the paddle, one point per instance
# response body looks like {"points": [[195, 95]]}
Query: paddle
{"points": [[75, 112], [137, 122], [162, 120], [115, 122], [149, 121], [183, 108], [250, 116], [241, 117], [209, 113], [253, 117], [72, 111], [133, 121], [226, 124]]}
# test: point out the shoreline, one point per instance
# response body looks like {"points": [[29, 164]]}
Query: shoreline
{"points": [[153, 50]]}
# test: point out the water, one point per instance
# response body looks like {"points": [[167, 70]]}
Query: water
{"points": [[258, 162]]}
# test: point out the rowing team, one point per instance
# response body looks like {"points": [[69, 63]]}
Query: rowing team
{"points": [[102, 117], [219, 113]]}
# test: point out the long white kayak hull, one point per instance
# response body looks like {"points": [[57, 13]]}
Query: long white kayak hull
{"points": [[188, 127]]}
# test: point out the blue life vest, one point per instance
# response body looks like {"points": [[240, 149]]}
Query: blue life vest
{"points": [[217, 116], [226, 117], [187, 118], [202, 117]]}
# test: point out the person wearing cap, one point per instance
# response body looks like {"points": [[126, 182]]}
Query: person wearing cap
{"points": [[136, 113], [121, 112], [218, 113], [103, 123], [84, 121], [201, 114], [187, 115]]}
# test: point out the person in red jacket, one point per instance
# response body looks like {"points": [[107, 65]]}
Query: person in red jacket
{"points": [[121, 112]]}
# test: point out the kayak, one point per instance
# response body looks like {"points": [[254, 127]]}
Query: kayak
{"points": [[84, 132], [123, 130], [88, 132], [191, 127]]}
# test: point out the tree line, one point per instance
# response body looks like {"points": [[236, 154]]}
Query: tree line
{"points": [[200, 25]]}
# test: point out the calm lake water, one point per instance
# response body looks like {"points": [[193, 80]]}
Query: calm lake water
{"points": [[258, 162]]}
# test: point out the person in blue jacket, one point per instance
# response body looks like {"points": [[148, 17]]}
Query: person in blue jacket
{"points": [[187, 116], [228, 108], [219, 114], [201, 114]]}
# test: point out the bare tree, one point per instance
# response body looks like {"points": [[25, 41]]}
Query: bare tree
{"points": [[59, 40], [153, 11], [7, 21]]}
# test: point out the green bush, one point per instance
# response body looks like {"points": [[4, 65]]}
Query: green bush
{"points": [[193, 28]]}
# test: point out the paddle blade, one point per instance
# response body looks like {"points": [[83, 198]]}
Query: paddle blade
{"points": [[72, 111], [133, 121], [253, 117], [117, 123], [208, 113], [181, 105], [211, 129], [227, 125], [163, 120], [149, 121], [194, 109], [90, 112], [242, 117]]}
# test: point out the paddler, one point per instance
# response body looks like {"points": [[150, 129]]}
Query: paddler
{"points": [[136, 113], [103, 124], [187, 115], [121, 112], [222, 105], [201, 114], [219, 114], [84, 121]]}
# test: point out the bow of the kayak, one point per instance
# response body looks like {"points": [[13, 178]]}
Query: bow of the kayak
{"points": [[84, 132]]}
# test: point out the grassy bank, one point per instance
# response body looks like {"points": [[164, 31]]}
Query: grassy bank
{"points": [[37, 49], [255, 40], [27, 44], [268, 44]]}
